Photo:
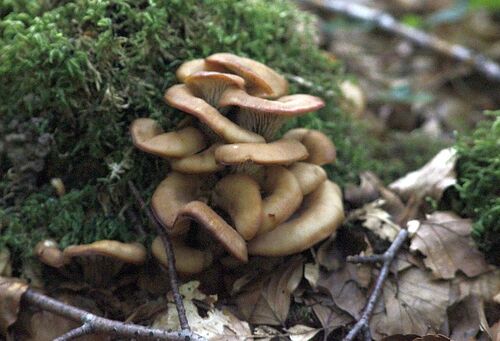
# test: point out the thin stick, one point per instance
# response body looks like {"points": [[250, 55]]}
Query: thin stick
{"points": [[93, 324], [366, 259], [388, 256], [172, 274], [387, 22]]}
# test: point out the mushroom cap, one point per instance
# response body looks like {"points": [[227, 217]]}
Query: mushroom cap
{"points": [[321, 149], [175, 191], [203, 162], [188, 260], [309, 176], [261, 80], [280, 152], [193, 66], [321, 214], [239, 196], [208, 219], [210, 85], [285, 197], [130, 253], [292, 105], [179, 96], [48, 252], [148, 136]]}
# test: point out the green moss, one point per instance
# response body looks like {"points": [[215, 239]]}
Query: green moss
{"points": [[87, 68], [478, 170]]}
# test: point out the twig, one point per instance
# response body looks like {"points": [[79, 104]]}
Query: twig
{"points": [[387, 22], [388, 257], [172, 274], [93, 324]]}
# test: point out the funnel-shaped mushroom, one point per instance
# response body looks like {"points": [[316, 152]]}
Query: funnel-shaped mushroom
{"points": [[261, 80], [148, 136], [203, 162], [265, 117], [322, 212], [48, 252], [103, 259], [193, 66], [188, 260], [209, 220], [284, 197], [281, 152], [180, 97], [211, 85], [309, 176], [171, 195], [321, 149], [239, 196]]}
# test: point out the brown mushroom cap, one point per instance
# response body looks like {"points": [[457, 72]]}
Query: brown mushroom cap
{"points": [[188, 260], [203, 162], [179, 96], [280, 152], [211, 85], [321, 214], [48, 252], [283, 200], [130, 253], [239, 196], [148, 136], [193, 66], [171, 195], [309, 176], [264, 116], [261, 80], [217, 227], [321, 149]]}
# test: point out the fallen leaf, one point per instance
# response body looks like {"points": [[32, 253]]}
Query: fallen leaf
{"points": [[485, 286], [464, 318], [265, 333], [344, 287], [444, 238], [379, 221], [299, 332], [366, 192], [416, 304], [411, 337], [330, 317], [268, 301], [329, 255], [217, 325], [495, 331], [311, 274], [11, 291], [430, 180]]}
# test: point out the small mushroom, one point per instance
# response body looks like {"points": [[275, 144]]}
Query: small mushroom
{"points": [[239, 196], [171, 195], [321, 149], [148, 136], [203, 162], [261, 80], [320, 215], [265, 117], [48, 252], [309, 176], [103, 259], [280, 152], [193, 66], [285, 196], [188, 260], [210, 221], [181, 97], [211, 85]]}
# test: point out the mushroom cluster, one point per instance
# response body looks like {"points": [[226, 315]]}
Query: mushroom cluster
{"points": [[230, 179]]}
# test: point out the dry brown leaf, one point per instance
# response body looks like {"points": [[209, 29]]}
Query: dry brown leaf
{"points": [[299, 332], [330, 317], [379, 221], [444, 238], [344, 287], [495, 331], [430, 180], [311, 274], [485, 286], [412, 337], [217, 325], [268, 301], [11, 291], [464, 318], [416, 304]]}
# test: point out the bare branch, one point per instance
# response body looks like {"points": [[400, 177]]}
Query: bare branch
{"points": [[387, 22], [388, 257], [93, 324], [172, 274]]}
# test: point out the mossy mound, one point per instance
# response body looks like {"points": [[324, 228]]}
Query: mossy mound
{"points": [[77, 73], [478, 185]]}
